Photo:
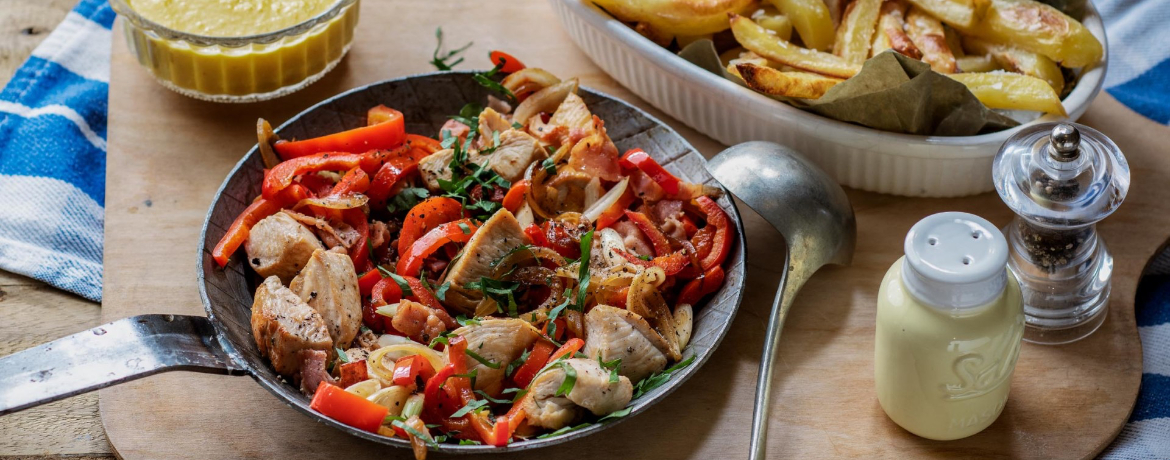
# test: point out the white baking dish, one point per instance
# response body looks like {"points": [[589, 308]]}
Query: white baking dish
{"points": [[858, 157]]}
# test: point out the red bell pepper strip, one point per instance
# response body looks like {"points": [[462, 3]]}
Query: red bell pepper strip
{"points": [[617, 210], [408, 369], [424, 216], [657, 239], [238, 232], [507, 63], [723, 237], [641, 160], [367, 282], [689, 226], [348, 408], [672, 263], [386, 182], [316, 183], [569, 348], [705, 284], [458, 231], [557, 238], [423, 143], [387, 134], [281, 176], [537, 358], [424, 296], [386, 292], [354, 181], [516, 196], [437, 404], [536, 235], [360, 252], [352, 373]]}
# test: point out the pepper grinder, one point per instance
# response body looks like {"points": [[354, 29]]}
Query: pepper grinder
{"points": [[1060, 179]]}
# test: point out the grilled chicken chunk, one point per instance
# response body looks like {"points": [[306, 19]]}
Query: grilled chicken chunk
{"points": [[436, 166], [573, 114], [491, 121], [615, 333], [500, 341], [511, 158], [592, 391], [495, 238], [280, 246], [329, 285], [283, 325]]}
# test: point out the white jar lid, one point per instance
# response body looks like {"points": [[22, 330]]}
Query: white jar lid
{"points": [[955, 260]]}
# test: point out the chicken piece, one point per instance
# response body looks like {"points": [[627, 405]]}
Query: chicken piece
{"points": [[491, 121], [420, 322], [511, 158], [495, 238], [335, 234], [595, 154], [280, 246], [615, 333], [329, 285], [283, 325], [592, 391], [500, 341], [633, 238], [574, 115], [436, 166]]}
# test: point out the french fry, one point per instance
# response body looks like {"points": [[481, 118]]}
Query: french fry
{"points": [[928, 35], [760, 41], [891, 31], [774, 82], [678, 17], [977, 63], [768, 18], [855, 34], [654, 34], [1020, 61], [811, 20], [1039, 28], [1001, 90], [959, 13]]}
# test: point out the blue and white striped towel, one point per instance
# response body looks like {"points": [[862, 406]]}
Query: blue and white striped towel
{"points": [[52, 173], [53, 155]]}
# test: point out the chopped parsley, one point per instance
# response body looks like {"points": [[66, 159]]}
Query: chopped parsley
{"points": [[441, 291], [469, 442], [517, 125], [413, 432], [564, 430], [469, 115], [570, 379], [469, 407], [465, 321], [503, 292], [441, 338], [549, 166], [485, 80], [439, 58], [512, 366], [466, 229], [402, 283], [341, 355], [657, 379], [615, 415], [644, 257], [406, 199], [614, 367], [583, 275], [494, 400], [482, 360]]}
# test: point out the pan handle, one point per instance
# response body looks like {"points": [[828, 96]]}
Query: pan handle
{"points": [[109, 354]]}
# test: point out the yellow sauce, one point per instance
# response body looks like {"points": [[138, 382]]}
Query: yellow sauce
{"points": [[240, 70]]}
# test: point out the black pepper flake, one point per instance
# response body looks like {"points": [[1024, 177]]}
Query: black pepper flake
{"points": [[256, 261]]}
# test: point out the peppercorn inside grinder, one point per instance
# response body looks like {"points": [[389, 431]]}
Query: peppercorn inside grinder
{"points": [[1060, 179]]}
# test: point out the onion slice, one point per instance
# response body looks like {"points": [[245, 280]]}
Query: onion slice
{"points": [[609, 199]]}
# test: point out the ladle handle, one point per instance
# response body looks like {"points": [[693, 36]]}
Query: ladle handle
{"points": [[785, 293], [109, 354]]}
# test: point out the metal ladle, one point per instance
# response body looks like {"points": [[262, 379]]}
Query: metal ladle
{"points": [[812, 213]]}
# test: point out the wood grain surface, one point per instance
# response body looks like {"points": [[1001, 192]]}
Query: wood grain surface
{"points": [[168, 154], [34, 312]]}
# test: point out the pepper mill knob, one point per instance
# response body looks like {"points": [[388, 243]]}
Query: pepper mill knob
{"points": [[1064, 143]]}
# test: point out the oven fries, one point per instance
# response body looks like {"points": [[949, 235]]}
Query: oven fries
{"points": [[758, 40], [999, 49], [1002, 90], [775, 82]]}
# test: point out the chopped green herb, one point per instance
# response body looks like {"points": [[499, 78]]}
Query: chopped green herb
{"points": [[470, 375], [517, 125], [564, 430], [494, 400], [441, 438], [441, 291], [440, 339], [570, 379], [549, 166], [503, 292], [644, 257], [402, 283], [469, 115], [465, 321], [583, 274], [466, 229], [469, 442], [482, 360], [615, 415], [413, 432], [471, 406], [439, 57], [522, 247], [391, 418], [341, 355], [614, 367], [406, 199], [656, 379], [512, 366], [485, 80]]}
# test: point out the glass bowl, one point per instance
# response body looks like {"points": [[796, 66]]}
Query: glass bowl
{"points": [[241, 69]]}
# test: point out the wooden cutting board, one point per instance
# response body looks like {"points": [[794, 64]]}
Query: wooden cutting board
{"points": [[168, 154]]}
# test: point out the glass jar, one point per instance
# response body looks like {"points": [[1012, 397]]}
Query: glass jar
{"points": [[949, 323], [1061, 179], [246, 68]]}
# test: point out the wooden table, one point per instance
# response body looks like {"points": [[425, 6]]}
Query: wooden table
{"points": [[34, 312]]}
